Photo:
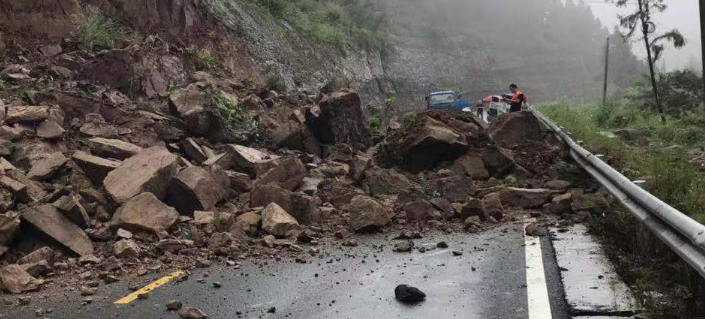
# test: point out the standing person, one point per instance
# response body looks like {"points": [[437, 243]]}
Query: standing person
{"points": [[517, 100]]}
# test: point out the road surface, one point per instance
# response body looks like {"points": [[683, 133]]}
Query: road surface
{"points": [[489, 280]]}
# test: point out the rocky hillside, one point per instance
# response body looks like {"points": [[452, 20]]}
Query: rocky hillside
{"points": [[428, 46], [120, 156]]}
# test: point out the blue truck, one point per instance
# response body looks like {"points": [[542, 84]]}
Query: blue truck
{"points": [[447, 100]]}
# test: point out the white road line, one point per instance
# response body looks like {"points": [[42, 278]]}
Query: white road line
{"points": [[536, 290]]}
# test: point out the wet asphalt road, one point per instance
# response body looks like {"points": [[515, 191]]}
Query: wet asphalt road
{"points": [[487, 281]]}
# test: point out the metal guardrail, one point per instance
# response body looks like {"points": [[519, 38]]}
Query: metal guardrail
{"points": [[685, 236]]}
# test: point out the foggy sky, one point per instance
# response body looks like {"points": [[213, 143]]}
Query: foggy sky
{"points": [[681, 14]]}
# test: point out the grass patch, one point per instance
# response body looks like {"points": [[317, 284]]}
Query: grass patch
{"points": [[663, 282], [204, 59], [241, 123], [102, 33], [342, 23], [663, 162]]}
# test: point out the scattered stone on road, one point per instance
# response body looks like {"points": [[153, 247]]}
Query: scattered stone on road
{"points": [[173, 305], [409, 294], [534, 230], [404, 246], [187, 312]]}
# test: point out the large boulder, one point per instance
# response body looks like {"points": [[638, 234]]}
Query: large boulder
{"points": [[148, 171], [428, 142], [48, 220], [498, 161], [26, 114], [197, 107], [386, 181], [455, 188], [492, 206], [301, 206], [194, 151], [245, 159], [366, 214], [525, 198], [71, 207], [421, 210], [96, 168], [513, 129], [339, 118], [112, 148], [276, 221], [194, 189], [17, 281], [472, 166], [287, 127], [9, 225], [338, 192], [288, 174], [144, 212], [46, 167]]}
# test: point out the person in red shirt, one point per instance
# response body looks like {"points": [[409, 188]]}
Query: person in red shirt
{"points": [[517, 100]]}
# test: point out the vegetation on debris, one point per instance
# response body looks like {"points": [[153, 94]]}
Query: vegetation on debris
{"points": [[203, 59], [241, 123], [100, 32]]}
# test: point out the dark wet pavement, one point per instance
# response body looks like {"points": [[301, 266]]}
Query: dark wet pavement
{"points": [[487, 281]]}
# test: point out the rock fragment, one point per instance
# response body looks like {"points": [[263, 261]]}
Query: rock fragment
{"points": [[50, 221], [408, 294], [366, 214], [150, 171], [145, 212], [278, 222]]}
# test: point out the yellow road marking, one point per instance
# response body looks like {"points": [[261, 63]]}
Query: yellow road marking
{"points": [[153, 285]]}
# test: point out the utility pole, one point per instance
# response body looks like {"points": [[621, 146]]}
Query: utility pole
{"points": [[607, 64], [702, 38]]}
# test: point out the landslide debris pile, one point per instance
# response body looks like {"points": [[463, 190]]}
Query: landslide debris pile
{"points": [[96, 184]]}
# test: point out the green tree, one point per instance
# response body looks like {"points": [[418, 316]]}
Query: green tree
{"points": [[641, 20]]}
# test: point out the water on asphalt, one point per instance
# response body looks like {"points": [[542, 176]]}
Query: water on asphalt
{"points": [[486, 281]]}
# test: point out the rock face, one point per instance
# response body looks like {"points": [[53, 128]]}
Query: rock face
{"points": [[366, 214], [513, 129], [339, 118], [148, 171], [194, 189], [524, 198], [276, 221], [144, 212], [51, 222], [428, 142]]}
